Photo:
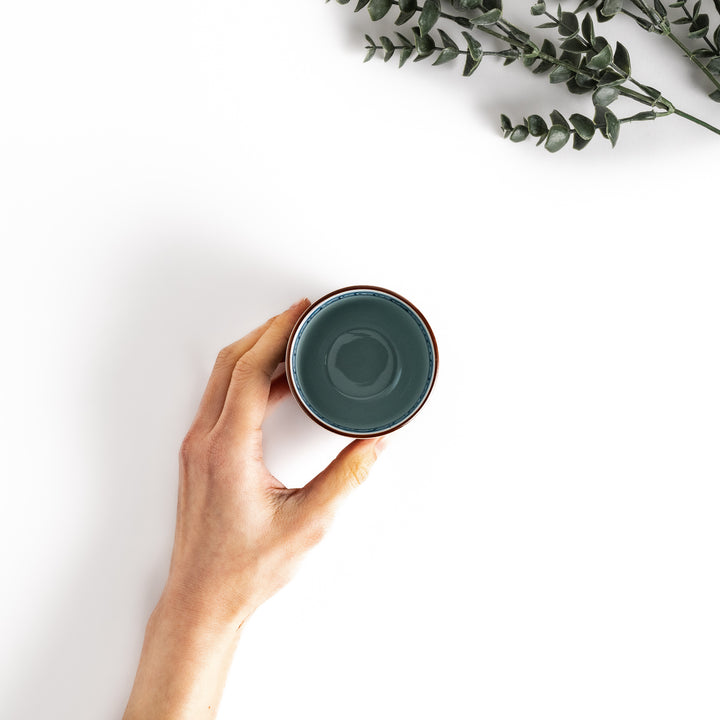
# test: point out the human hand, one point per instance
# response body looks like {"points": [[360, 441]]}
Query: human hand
{"points": [[240, 532]]}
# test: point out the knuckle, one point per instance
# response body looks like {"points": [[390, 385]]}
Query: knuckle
{"points": [[243, 366], [226, 356], [188, 448]]}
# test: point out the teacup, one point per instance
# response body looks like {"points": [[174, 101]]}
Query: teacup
{"points": [[361, 361]]}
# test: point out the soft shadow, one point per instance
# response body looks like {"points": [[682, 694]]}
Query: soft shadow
{"points": [[167, 316]]}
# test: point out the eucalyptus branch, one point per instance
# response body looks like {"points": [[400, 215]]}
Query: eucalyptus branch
{"points": [[657, 19], [583, 61]]}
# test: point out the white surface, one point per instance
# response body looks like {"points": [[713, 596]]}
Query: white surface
{"points": [[540, 542]]}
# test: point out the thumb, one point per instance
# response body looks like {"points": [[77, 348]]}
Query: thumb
{"points": [[346, 472]]}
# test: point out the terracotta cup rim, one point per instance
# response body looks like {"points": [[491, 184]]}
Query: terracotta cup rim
{"points": [[298, 325]]}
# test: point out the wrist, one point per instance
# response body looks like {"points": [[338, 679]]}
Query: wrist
{"points": [[185, 658], [197, 613]]}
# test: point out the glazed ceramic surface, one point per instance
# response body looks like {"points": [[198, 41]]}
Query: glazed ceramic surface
{"points": [[362, 361]]}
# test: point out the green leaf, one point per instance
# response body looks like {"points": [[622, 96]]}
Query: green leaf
{"points": [[604, 96], [370, 54], [429, 16], [610, 8], [715, 95], [474, 47], [622, 58], [612, 127], [601, 60], [556, 118], [578, 142], [517, 33], [586, 81], [610, 77], [446, 55], [588, 29], [569, 24], [405, 53], [519, 133], [403, 17], [388, 46], [471, 65], [575, 88], [379, 8], [584, 126], [585, 4], [557, 138], [600, 113], [487, 18], [560, 75], [407, 5], [448, 42], [361, 4], [537, 126], [538, 8], [699, 26], [424, 44], [574, 44], [505, 123]]}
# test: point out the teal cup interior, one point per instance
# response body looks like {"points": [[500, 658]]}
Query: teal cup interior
{"points": [[361, 361]]}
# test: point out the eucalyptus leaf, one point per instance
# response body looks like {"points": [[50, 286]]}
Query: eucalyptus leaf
{"points": [[471, 65], [612, 127], [601, 60], [404, 17], [487, 18], [621, 59], [519, 133], [579, 143], [557, 138], [584, 126], [536, 125], [474, 47], [429, 16], [557, 118], [405, 53], [379, 8], [604, 96], [610, 8]]}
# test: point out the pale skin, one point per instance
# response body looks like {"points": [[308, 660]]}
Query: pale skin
{"points": [[240, 533]]}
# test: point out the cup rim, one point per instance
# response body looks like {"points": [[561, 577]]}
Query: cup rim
{"points": [[298, 325]]}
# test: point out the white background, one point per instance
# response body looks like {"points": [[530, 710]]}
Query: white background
{"points": [[541, 541]]}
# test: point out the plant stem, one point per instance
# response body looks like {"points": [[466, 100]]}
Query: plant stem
{"points": [[692, 57], [697, 121]]}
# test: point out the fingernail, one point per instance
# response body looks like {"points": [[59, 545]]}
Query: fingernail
{"points": [[380, 445], [302, 301]]}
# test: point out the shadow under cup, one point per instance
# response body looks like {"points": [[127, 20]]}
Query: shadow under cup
{"points": [[361, 361]]}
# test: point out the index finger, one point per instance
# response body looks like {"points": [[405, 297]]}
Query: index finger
{"points": [[249, 388]]}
